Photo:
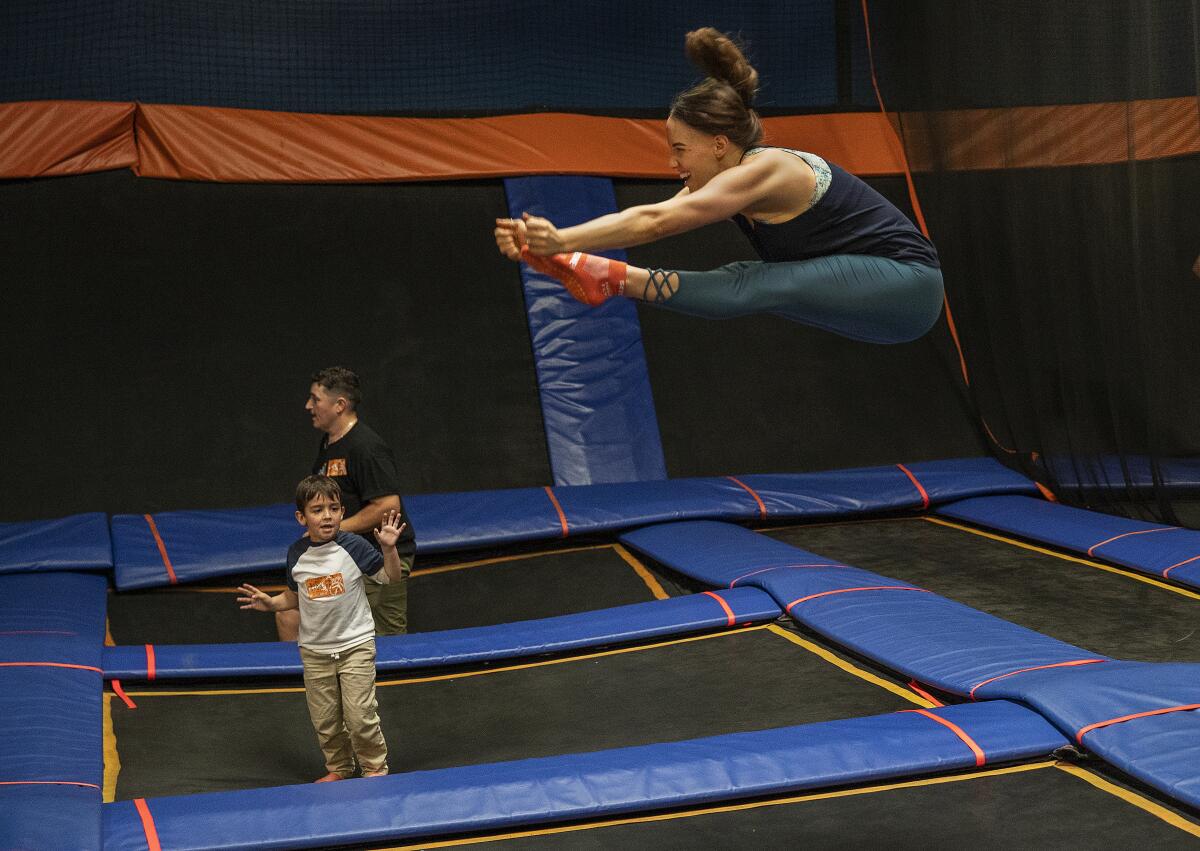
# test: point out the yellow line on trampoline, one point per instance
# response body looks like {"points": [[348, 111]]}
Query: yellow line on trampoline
{"points": [[1128, 574], [465, 674], [112, 760], [640, 569], [850, 668], [729, 808], [1154, 809]]}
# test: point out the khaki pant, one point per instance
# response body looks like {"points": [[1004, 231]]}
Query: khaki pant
{"points": [[340, 690], [389, 603]]}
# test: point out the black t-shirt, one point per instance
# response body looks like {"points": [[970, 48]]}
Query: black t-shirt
{"points": [[364, 468]]}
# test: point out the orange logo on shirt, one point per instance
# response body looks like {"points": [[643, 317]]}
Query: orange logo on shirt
{"points": [[325, 586], [335, 467]]}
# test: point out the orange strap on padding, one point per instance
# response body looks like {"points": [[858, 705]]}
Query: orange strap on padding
{"points": [[912, 684], [1071, 664], [120, 692], [51, 665], [917, 484], [1178, 564], [1124, 718], [48, 783], [848, 590], [150, 668], [1091, 551], [762, 508], [162, 549], [147, 824], [980, 757], [562, 518], [724, 605]]}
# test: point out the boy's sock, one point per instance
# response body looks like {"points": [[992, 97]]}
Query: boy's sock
{"points": [[588, 277]]}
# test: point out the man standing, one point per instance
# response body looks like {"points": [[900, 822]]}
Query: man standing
{"points": [[355, 457]]}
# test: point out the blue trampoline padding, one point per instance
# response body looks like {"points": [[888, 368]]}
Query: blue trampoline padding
{"points": [[937, 641], [52, 727], [1162, 750], [54, 816], [1164, 551], [1136, 471], [53, 606], [78, 542], [589, 785], [201, 544], [597, 408], [638, 621]]}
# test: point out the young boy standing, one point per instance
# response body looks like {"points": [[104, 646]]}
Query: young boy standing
{"points": [[326, 571]]}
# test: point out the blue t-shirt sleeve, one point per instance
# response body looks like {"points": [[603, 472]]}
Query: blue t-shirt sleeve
{"points": [[293, 555], [368, 559]]}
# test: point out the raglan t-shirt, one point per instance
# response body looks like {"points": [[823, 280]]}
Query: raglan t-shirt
{"points": [[328, 579]]}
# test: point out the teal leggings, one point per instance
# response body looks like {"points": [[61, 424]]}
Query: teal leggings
{"points": [[872, 299]]}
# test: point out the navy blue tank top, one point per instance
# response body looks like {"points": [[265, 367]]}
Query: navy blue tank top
{"points": [[850, 218]]}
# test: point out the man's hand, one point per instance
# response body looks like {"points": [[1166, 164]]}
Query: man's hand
{"points": [[259, 601], [389, 530]]}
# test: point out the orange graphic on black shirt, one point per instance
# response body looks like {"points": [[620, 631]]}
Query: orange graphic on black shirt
{"points": [[335, 467], [320, 587]]}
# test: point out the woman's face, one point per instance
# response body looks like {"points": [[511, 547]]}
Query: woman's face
{"points": [[694, 153]]}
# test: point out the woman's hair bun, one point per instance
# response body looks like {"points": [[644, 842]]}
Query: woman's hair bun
{"points": [[719, 56]]}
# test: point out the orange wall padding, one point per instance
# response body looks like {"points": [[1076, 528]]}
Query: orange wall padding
{"points": [[49, 138], [1041, 136]]}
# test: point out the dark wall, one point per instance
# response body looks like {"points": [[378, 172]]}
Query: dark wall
{"points": [[160, 337], [762, 394]]}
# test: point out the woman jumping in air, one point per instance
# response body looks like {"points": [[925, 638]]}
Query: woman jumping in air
{"points": [[835, 253]]}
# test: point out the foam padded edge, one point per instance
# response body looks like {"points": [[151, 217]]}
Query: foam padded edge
{"points": [[52, 728], [1165, 551], [637, 621], [577, 786], [190, 545], [1162, 750], [54, 816], [202, 544], [78, 542], [597, 407], [917, 633], [52, 617]]}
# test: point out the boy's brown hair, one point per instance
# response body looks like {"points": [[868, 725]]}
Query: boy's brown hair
{"points": [[314, 486]]}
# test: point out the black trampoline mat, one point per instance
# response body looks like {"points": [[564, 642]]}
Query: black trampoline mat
{"points": [[1115, 614], [481, 593], [1038, 806], [745, 679]]}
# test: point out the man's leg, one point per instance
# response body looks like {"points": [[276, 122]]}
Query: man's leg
{"points": [[389, 603]]}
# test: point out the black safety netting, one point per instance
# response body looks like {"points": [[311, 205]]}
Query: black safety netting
{"points": [[1049, 145]]}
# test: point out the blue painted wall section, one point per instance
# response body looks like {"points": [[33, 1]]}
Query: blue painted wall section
{"points": [[596, 401]]}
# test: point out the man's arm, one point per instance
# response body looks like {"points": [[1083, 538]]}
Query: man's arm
{"points": [[372, 514]]}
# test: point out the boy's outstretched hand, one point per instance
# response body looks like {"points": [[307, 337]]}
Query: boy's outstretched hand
{"points": [[390, 529], [260, 601]]}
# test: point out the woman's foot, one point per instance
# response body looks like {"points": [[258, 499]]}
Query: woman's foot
{"points": [[329, 778], [588, 277], [380, 773]]}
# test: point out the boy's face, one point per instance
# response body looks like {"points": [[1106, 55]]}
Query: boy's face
{"points": [[321, 516]]}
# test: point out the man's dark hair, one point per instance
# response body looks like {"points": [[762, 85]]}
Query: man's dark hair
{"points": [[340, 382], [314, 486]]}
